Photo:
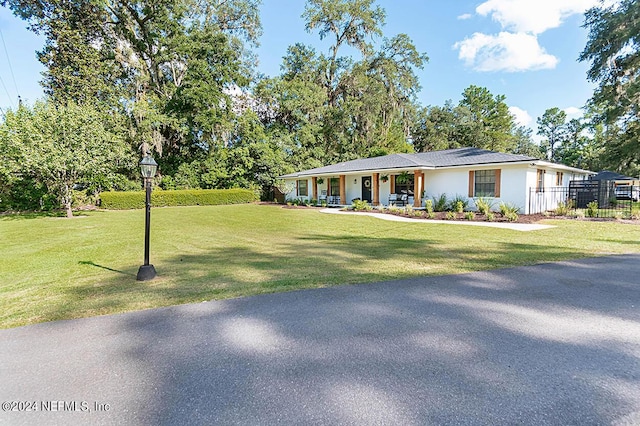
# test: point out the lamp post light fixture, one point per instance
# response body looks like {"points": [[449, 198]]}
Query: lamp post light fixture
{"points": [[148, 168]]}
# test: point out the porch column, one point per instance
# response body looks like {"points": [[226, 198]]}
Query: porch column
{"points": [[392, 184], [343, 189], [376, 189], [417, 188], [314, 184]]}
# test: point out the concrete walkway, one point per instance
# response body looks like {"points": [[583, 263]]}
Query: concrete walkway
{"points": [[524, 227], [552, 344]]}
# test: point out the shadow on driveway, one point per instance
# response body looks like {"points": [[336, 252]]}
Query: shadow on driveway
{"points": [[557, 343]]}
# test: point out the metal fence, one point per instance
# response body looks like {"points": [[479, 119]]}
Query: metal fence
{"points": [[591, 198]]}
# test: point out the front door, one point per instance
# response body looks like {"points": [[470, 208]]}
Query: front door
{"points": [[366, 188]]}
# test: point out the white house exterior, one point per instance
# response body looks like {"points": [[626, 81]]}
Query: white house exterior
{"points": [[466, 172]]}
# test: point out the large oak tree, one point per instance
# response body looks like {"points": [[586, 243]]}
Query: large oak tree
{"points": [[613, 51]]}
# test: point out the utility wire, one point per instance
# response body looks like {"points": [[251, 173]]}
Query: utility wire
{"points": [[6, 91], [6, 52]]}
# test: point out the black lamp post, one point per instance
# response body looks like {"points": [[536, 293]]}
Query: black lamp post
{"points": [[148, 168]]}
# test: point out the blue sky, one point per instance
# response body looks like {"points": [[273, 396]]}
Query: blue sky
{"points": [[526, 50]]}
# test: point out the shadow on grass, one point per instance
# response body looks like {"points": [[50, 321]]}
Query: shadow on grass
{"points": [[320, 261], [619, 241], [88, 262], [39, 215], [31, 215]]}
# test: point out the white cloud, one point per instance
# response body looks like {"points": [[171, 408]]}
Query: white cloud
{"points": [[465, 16], [522, 117], [573, 112], [516, 48], [504, 52], [533, 17]]}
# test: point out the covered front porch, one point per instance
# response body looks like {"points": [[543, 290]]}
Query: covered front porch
{"points": [[377, 188]]}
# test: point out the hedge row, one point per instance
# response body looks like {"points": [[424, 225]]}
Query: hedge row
{"points": [[188, 197]]}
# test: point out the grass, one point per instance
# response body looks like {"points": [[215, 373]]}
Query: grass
{"points": [[55, 268]]}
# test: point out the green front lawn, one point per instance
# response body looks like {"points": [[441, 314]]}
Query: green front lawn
{"points": [[55, 268]]}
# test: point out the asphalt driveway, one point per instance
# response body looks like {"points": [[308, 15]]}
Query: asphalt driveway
{"points": [[548, 344]]}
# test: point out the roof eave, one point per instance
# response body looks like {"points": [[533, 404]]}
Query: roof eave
{"points": [[562, 167], [530, 162]]}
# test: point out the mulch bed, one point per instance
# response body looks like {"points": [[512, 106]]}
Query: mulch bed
{"points": [[532, 218], [522, 218], [529, 218]]}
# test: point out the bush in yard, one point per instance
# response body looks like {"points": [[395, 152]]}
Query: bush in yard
{"points": [[450, 216], [509, 208], [459, 204], [484, 205], [491, 217], [440, 203], [25, 193], [188, 197], [592, 209], [469, 215], [511, 216], [361, 206], [428, 206], [394, 209], [562, 209]]}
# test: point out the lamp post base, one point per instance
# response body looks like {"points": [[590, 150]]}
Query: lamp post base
{"points": [[146, 273]]}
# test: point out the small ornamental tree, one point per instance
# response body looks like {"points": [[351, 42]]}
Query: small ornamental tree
{"points": [[62, 145]]}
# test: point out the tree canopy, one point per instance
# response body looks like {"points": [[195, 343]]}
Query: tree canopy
{"points": [[613, 51], [179, 77], [480, 120], [60, 146]]}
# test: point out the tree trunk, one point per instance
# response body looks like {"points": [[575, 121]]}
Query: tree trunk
{"points": [[66, 200]]}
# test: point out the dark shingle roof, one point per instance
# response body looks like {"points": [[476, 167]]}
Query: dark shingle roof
{"points": [[434, 159], [467, 156], [607, 175]]}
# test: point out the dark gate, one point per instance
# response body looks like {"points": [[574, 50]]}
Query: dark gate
{"points": [[582, 192]]}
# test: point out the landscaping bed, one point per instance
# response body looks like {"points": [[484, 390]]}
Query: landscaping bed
{"points": [[529, 218], [421, 214]]}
